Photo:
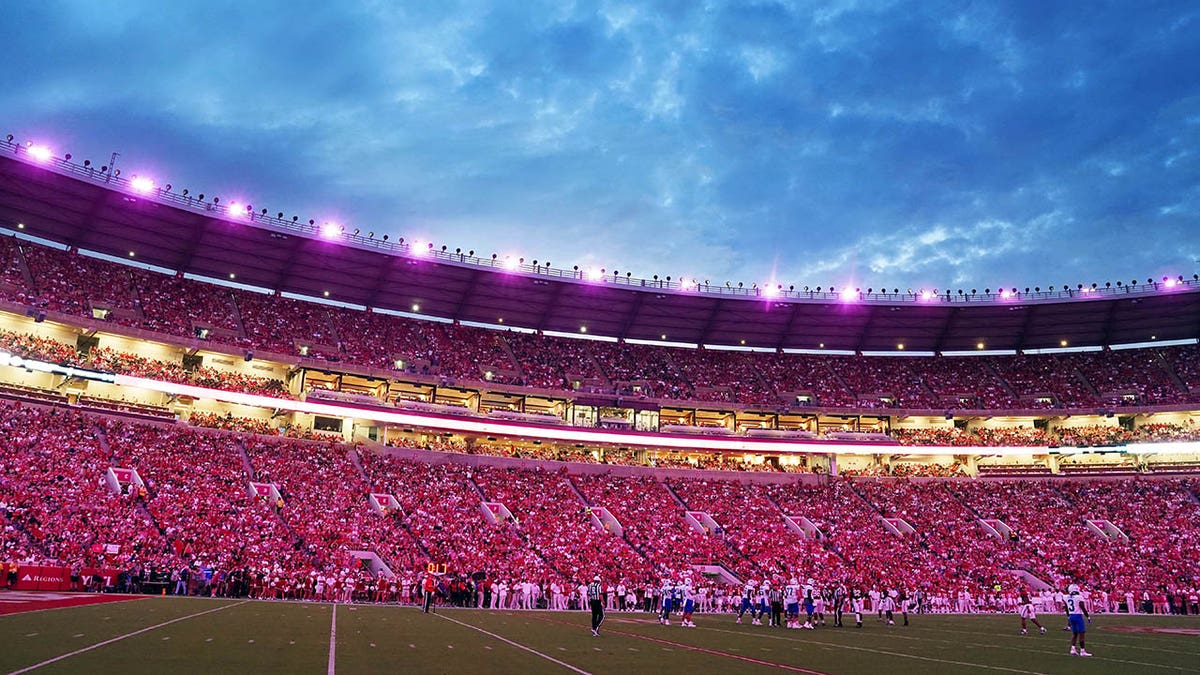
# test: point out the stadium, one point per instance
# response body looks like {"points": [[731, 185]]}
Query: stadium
{"points": [[356, 413], [871, 339]]}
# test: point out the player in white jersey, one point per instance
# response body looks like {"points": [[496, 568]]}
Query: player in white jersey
{"points": [[856, 604], [689, 605], [887, 604], [1025, 609], [1077, 611], [791, 603]]}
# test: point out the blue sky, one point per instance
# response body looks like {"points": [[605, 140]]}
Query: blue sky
{"points": [[873, 143]]}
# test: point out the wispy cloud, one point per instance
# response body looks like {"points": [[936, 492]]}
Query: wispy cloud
{"points": [[935, 143]]}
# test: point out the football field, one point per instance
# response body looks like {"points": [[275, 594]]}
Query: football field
{"points": [[192, 635]]}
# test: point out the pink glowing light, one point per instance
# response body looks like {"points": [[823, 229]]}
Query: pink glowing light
{"points": [[142, 184], [418, 247], [849, 294], [40, 152], [1171, 283], [770, 290], [331, 230], [511, 264], [1004, 293], [926, 296], [595, 274], [236, 210]]}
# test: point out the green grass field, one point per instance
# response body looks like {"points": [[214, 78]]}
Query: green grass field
{"points": [[181, 635]]}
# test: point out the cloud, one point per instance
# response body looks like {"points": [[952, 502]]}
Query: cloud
{"points": [[909, 144]]}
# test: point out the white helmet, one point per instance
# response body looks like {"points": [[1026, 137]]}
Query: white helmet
{"points": [[811, 582], [1073, 588], [596, 578]]}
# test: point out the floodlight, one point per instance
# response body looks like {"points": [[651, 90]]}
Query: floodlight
{"points": [[142, 184]]}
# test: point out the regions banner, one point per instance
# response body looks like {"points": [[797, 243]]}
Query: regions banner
{"points": [[51, 578]]}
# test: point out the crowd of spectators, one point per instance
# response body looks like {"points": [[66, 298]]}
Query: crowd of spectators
{"points": [[194, 519], [555, 520], [109, 360], [753, 526], [653, 523], [57, 507], [271, 323], [443, 510], [325, 502]]}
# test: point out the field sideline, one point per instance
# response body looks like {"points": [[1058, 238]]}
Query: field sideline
{"points": [[194, 635]]}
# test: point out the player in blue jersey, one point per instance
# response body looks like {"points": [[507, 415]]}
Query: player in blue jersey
{"points": [[791, 601], [764, 605], [1077, 612], [668, 596], [688, 603], [747, 603], [809, 601]]}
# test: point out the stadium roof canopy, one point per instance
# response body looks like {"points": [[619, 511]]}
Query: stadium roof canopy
{"points": [[85, 208]]}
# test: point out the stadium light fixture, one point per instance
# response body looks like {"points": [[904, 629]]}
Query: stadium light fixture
{"points": [[511, 264], [926, 296], [40, 152], [771, 290], [142, 184], [236, 210], [595, 274], [1169, 282], [331, 230], [849, 294]]}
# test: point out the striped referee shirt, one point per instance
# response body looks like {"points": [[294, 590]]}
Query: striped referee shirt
{"points": [[594, 591]]}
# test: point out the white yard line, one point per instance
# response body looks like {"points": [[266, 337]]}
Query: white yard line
{"points": [[122, 637], [332, 641], [518, 645]]}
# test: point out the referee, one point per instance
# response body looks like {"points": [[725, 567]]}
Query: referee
{"points": [[596, 602], [776, 597]]}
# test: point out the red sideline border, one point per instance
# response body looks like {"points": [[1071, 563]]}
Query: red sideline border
{"points": [[22, 602]]}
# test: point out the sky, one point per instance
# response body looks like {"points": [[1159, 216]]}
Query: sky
{"points": [[872, 143]]}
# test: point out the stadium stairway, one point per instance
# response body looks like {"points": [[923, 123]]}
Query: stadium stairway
{"points": [[249, 468], [737, 553], [958, 498], [356, 460], [521, 533], [584, 500], [1191, 492]]}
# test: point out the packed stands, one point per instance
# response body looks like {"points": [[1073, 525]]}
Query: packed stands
{"points": [[554, 520], [48, 278], [195, 512]]}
